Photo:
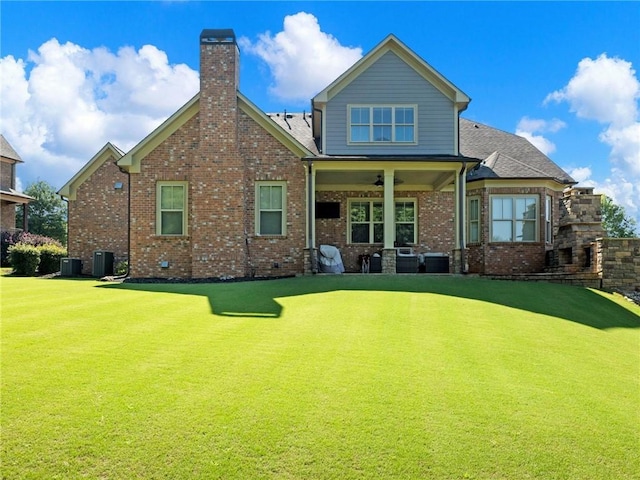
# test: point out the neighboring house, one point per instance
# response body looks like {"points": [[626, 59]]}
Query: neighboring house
{"points": [[9, 197], [381, 160]]}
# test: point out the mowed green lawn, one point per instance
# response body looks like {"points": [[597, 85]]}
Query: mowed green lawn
{"points": [[345, 377]]}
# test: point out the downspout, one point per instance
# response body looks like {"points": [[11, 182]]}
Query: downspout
{"points": [[128, 218], [462, 201], [321, 132], [25, 217], [310, 215], [65, 200], [461, 219]]}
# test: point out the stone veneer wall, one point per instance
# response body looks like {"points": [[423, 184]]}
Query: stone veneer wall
{"points": [[580, 224], [619, 262]]}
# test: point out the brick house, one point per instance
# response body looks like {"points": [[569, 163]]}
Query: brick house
{"points": [[98, 208], [382, 160], [9, 196]]}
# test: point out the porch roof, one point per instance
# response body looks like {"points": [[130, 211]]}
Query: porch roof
{"points": [[12, 196], [393, 158]]}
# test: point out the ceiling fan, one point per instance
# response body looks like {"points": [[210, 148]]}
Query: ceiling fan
{"points": [[379, 182]]}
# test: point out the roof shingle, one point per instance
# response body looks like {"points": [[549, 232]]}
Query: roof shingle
{"points": [[504, 155], [7, 151]]}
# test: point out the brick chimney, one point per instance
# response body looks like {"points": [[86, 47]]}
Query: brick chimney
{"points": [[217, 223], [219, 74]]}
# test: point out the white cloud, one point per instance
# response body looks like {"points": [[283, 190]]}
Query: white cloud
{"points": [[64, 102], [528, 127], [581, 175], [625, 147], [606, 90], [303, 59]]}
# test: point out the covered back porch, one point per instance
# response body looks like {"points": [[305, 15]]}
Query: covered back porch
{"points": [[403, 214]]}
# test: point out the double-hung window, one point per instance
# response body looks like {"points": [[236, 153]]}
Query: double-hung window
{"points": [[270, 208], [366, 218], [513, 219], [405, 222], [473, 213], [366, 221], [382, 123], [548, 216], [171, 208]]}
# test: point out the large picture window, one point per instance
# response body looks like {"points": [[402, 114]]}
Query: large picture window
{"points": [[270, 208], [171, 208], [366, 221], [382, 124], [513, 219]]}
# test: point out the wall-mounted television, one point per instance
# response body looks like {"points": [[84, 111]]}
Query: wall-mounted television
{"points": [[327, 209]]}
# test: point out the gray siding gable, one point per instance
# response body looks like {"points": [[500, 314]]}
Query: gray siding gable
{"points": [[390, 81]]}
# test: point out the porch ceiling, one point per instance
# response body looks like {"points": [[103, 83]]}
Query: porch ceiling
{"points": [[435, 179]]}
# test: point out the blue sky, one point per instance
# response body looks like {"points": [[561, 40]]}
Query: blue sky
{"points": [[78, 74]]}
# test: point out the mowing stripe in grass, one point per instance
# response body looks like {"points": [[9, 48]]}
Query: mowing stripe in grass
{"points": [[326, 377]]}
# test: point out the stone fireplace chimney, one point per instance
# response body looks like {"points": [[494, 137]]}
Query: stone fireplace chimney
{"points": [[580, 224]]}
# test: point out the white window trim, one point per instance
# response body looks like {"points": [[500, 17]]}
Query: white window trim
{"points": [[415, 218], [283, 227], [514, 220], [371, 201], [393, 123], [159, 209], [470, 221], [548, 219]]}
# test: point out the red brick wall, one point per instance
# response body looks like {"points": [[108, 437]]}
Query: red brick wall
{"points": [[266, 159], [8, 216], [98, 216], [435, 224], [222, 250], [7, 179], [170, 161], [7, 210]]}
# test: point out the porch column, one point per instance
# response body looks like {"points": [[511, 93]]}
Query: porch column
{"points": [[310, 260], [389, 217], [459, 260], [25, 217], [389, 252]]}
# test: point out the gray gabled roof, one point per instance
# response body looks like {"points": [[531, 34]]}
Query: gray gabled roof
{"points": [[505, 155], [298, 125], [7, 151]]}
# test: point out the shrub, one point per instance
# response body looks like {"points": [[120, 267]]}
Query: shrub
{"points": [[121, 268], [24, 259], [50, 256], [11, 238]]}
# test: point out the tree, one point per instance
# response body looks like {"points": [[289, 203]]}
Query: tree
{"points": [[615, 221], [47, 213]]}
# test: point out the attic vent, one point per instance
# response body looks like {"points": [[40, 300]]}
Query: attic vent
{"points": [[226, 35]]}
